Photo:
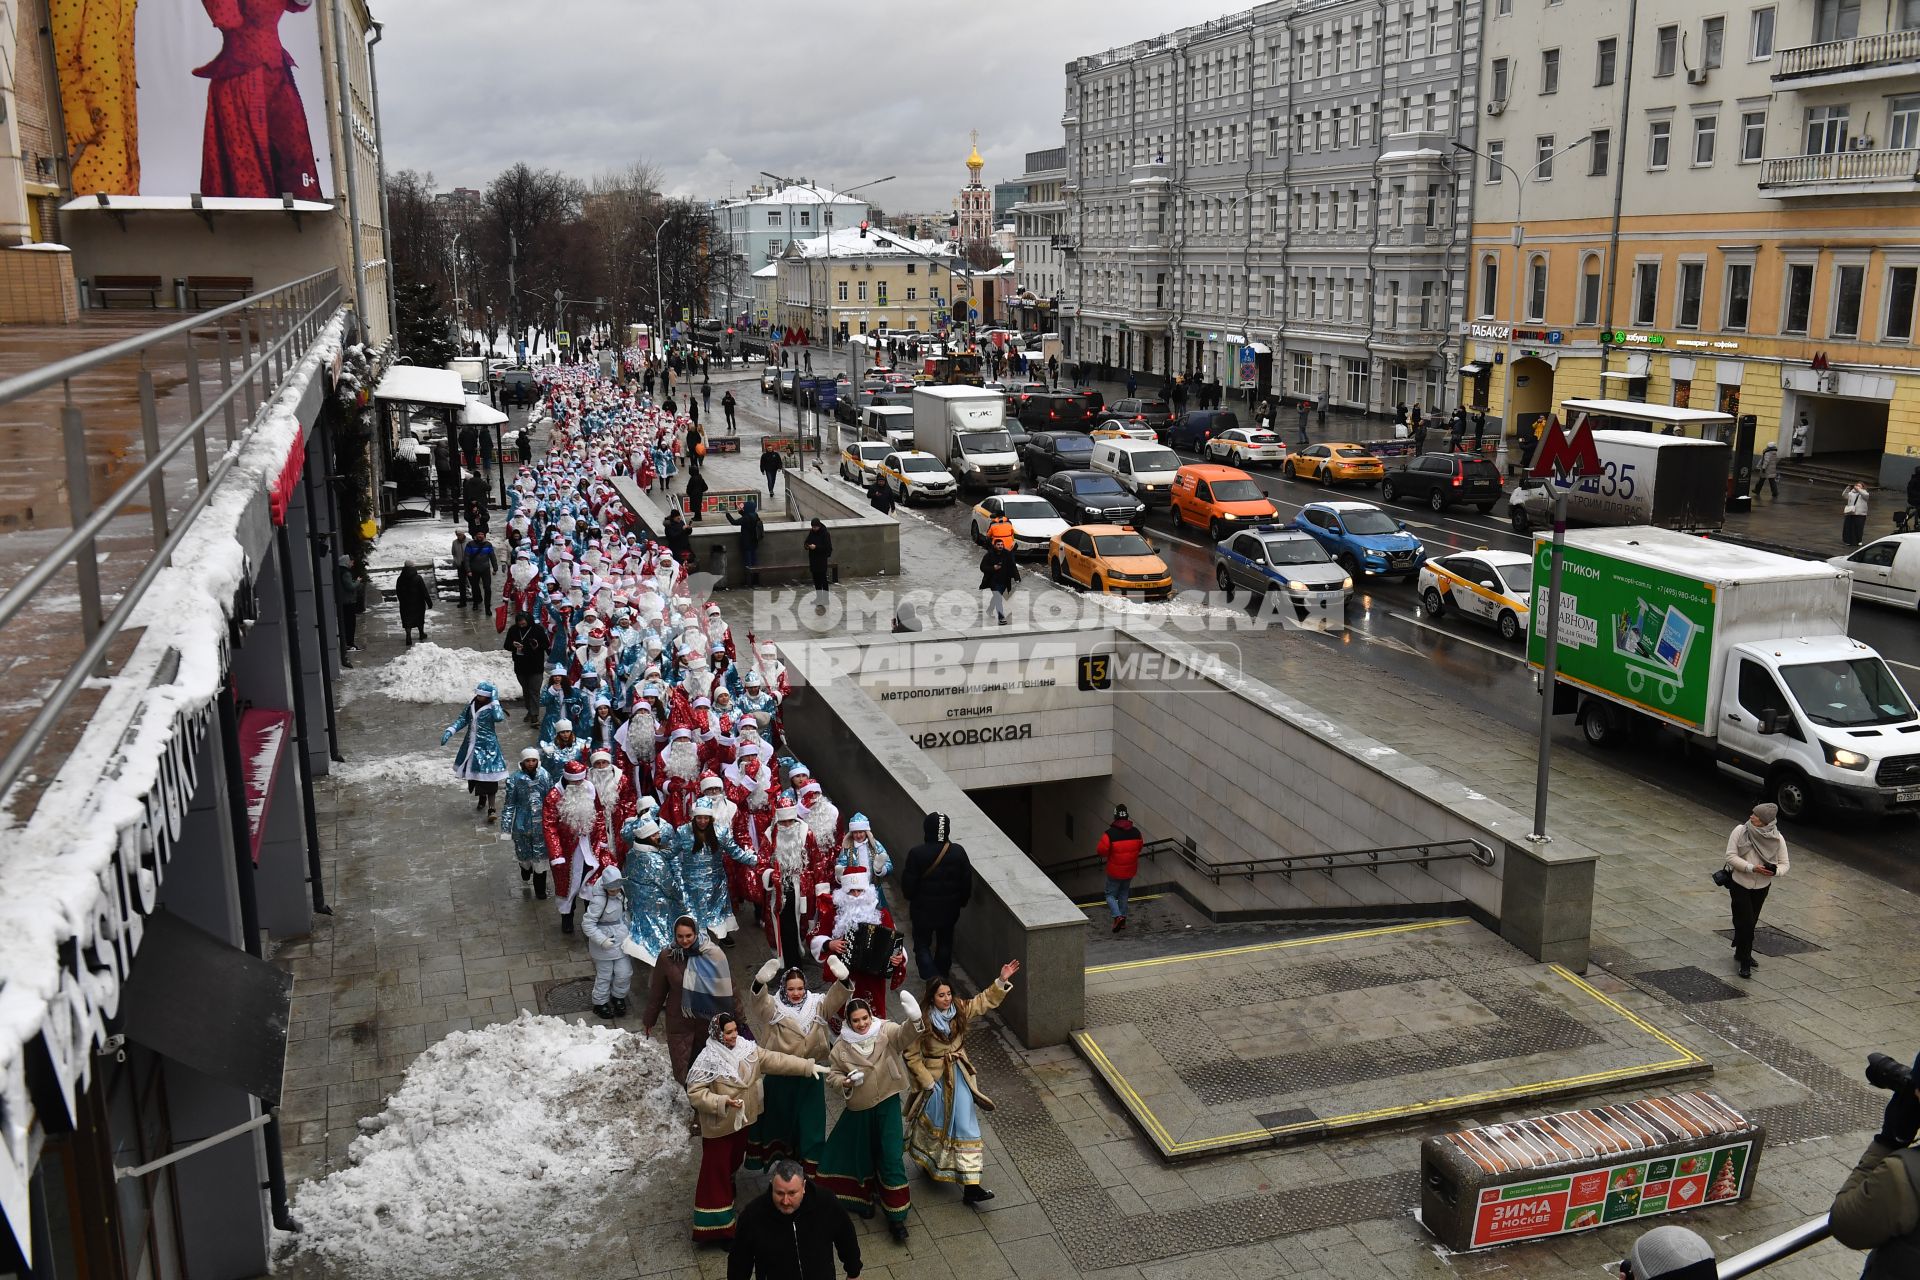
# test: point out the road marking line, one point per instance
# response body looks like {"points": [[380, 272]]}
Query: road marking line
{"points": [[1908, 665], [1441, 631]]}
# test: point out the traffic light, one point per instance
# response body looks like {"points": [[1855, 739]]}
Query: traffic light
{"points": [[863, 228]]}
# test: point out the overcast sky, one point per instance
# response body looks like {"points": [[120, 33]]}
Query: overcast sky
{"points": [[713, 91]]}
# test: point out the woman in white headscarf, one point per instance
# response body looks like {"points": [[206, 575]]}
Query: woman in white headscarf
{"points": [[788, 1018], [1756, 856], [862, 1164], [727, 1086]]}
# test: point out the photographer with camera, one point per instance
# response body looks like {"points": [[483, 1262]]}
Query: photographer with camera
{"points": [[1878, 1207]]}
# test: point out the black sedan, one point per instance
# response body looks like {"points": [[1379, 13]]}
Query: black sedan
{"points": [[1091, 497], [1049, 451]]}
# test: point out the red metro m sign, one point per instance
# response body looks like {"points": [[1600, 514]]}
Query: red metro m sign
{"points": [[1565, 457]]}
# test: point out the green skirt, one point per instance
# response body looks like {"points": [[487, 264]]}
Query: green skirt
{"points": [[862, 1164], [792, 1123]]}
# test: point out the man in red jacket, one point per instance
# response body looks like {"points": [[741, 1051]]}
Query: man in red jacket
{"points": [[1120, 846]]}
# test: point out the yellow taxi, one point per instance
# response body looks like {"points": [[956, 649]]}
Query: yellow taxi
{"points": [[1112, 559], [860, 461], [1114, 429], [1335, 463], [1494, 586]]}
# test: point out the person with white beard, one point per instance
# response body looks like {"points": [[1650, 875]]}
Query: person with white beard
{"points": [[749, 742], [793, 870], [822, 816], [611, 786], [679, 776], [639, 742], [575, 824], [719, 635], [695, 676], [838, 916]]}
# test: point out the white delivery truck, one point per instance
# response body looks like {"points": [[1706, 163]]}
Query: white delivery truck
{"points": [[892, 423], [1743, 650], [865, 355], [1676, 482], [966, 428]]}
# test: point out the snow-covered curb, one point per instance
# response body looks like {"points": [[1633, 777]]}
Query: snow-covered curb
{"points": [[53, 872]]}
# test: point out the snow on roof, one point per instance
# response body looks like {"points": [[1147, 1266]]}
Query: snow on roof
{"points": [[877, 243], [1418, 153], [413, 384], [767, 272], [795, 195], [479, 414], [54, 868]]}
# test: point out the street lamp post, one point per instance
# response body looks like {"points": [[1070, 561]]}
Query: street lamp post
{"points": [[1520, 182]]}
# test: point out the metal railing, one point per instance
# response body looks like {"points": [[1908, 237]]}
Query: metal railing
{"points": [[1784, 1245], [1855, 53], [248, 347], [1420, 855], [1902, 165]]}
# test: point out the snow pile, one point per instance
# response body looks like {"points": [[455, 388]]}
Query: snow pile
{"points": [[421, 541], [515, 1137], [422, 768], [428, 673]]}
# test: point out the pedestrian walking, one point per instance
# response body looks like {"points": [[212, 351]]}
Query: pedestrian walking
{"points": [[946, 1139], [1529, 441], [520, 815], [789, 1018], [937, 880], [770, 464], [603, 919], [751, 530], [880, 494], [693, 416], [1853, 508], [1303, 422], [528, 642], [1766, 470], [727, 405], [469, 446], [706, 398], [862, 1162], [819, 554], [1120, 846], [480, 566], [479, 762], [349, 597], [696, 493], [692, 982], [677, 536], [1419, 439], [486, 450], [1756, 856], [1801, 432], [412, 592], [1479, 428], [998, 572], [791, 1231], [1133, 386], [726, 1086]]}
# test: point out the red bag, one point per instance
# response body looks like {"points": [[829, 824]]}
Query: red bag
{"points": [[500, 616]]}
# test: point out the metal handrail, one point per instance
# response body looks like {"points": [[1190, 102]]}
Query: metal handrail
{"points": [[1401, 855], [289, 314], [1784, 1245]]}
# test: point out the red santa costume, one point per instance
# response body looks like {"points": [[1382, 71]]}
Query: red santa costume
{"points": [[719, 635], [575, 825], [850, 906], [679, 777], [773, 671], [821, 815], [613, 789], [790, 872], [718, 743]]}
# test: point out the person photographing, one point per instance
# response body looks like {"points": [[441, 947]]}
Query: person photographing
{"points": [[1878, 1207]]}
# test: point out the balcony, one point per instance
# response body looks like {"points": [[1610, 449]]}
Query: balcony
{"points": [[1887, 53], [1840, 173]]}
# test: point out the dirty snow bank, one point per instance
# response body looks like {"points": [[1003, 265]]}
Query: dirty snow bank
{"points": [[512, 1138], [428, 673]]}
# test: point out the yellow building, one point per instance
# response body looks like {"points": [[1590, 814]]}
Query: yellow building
{"points": [[861, 282], [1765, 258]]}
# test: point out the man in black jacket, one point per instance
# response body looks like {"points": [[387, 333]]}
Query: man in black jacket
{"points": [[937, 880], [791, 1232]]}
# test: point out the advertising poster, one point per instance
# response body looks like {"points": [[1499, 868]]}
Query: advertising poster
{"points": [[1641, 635], [185, 97], [1582, 1201]]}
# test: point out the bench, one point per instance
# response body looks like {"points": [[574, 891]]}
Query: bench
{"points": [[1578, 1170], [226, 289], [107, 288]]}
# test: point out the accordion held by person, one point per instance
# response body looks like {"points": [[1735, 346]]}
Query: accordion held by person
{"points": [[870, 948]]}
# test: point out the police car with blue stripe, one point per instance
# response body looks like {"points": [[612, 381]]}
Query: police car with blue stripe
{"points": [[1280, 559]]}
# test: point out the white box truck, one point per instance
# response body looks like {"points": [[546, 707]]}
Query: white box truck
{"points": [[1745, 651], [1676, 482], [966, 428]]}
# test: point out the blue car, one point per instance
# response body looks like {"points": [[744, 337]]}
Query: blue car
{"points": [[1363, 539], [1192, 431]]}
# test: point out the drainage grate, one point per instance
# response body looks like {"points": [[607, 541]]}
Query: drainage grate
{"points": [[1691, 985], [573, 995], [1775, 942], [1287, 1118]]}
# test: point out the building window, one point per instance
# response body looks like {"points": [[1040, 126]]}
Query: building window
{"points": [[1753, 136], [1849, 282], [1427, 300], [911, 266], [1901, 283], [1713, 42], [1666, 50], [1599, 152], [773, 217], [826, 217], [861, 292], [806, 217], [1659, 143], [1606, 60], [1826, 131], [1489, 285], [1590, 289], [1496, 163], [1537, 287], [1739, 296], [1799, 297], [1760, 30], [1909, 15], [843, 291], [1686, 306], [1903, 121], [1835, 20], [913, 294], [1646, 293], [1356, 380], [1302, 373], [1543, 157], [1549, 71], [1706, 134], [1503, 8], [1500, 80]]}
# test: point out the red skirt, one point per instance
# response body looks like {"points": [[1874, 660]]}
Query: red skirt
{"points": [[713, 1200]]}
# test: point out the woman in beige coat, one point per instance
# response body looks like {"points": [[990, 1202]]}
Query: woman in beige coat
{"points": [[1756, 855], [726, 1085], [861, 1164], [788, 1018], [945, 1112]]}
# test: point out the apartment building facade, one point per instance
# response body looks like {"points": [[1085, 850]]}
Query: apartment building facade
{"points": [[759, 226], [1039, 239], [1271, 200], [1703, 205]]}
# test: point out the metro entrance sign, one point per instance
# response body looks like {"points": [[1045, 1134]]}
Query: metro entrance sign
{"points": [[1564, 459]]}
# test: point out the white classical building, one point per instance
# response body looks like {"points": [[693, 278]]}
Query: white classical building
{"points": [[1040, 232], [758, 226]]}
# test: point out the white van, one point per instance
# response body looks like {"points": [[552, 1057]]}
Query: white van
{"points": [[892, 423], [1143, 469]]}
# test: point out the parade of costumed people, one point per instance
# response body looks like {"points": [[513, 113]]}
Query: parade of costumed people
{"points": [[660, 808]]}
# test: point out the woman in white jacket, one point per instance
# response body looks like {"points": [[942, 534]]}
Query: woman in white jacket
{"points": [[1756, 857], [863, 1164]]}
